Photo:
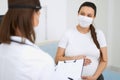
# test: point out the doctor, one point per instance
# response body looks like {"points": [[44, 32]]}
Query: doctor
{"points": [[20, 58]]}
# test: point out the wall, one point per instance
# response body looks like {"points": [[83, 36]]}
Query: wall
{"points": [[115, 34], [72, 8], [56, 19], [110, 31], [52, 20]]}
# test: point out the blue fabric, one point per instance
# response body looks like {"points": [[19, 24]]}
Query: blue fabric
{"points": [[50, 48], [111, 75]]}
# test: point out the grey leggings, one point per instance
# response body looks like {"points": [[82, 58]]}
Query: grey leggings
{"points": [[100, 77]]}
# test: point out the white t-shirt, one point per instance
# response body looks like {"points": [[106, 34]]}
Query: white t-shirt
{"points": [[24, 61], [76, 43]]}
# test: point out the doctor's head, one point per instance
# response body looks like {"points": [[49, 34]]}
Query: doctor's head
{"points": [[21, 18]]}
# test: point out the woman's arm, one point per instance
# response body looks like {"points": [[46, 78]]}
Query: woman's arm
{"points": [[60, 56], [102, 65], [103, 62]]}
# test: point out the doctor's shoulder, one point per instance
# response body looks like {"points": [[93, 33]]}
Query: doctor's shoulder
{"points": [[39, 55]]}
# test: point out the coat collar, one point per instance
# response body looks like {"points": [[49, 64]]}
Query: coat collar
{"points": [[20, 39]]}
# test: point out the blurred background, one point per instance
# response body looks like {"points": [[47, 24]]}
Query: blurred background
{"points": [[57, 16]]}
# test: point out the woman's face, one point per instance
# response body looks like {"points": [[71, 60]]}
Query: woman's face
{"points": [[87, 11], [36, 18]]}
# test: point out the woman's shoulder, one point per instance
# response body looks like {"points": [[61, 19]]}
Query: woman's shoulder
{"points": [[101, 38], [70, 31], [99, 32]]}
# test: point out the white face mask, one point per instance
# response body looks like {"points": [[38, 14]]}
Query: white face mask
{"points": [[84, 21]]}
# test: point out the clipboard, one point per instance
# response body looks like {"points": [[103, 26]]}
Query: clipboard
{"points": [[70, 69]]}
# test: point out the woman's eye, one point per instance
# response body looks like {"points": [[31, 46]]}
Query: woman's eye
{"points": [[90, 15], [82, 14]]}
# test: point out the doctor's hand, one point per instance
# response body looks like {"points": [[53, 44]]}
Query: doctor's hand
{"points": [[87, 61], [88, 78]]}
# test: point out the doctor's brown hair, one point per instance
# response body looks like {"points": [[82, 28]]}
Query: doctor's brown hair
{"points": [[19, 17], [93, 32]]}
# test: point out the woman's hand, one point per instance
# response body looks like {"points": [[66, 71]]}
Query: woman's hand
{"points": [[79, 57], [89, 78], [86, 61]]}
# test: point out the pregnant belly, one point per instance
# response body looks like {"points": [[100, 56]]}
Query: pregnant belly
{"points": [[90, 69]]}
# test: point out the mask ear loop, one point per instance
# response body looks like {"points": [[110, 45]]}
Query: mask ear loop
{"points": [[24, 6]]}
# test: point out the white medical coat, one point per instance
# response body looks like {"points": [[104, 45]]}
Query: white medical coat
{"points": [[24, 61]]}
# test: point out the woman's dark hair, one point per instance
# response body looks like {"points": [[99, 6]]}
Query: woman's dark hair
{"points": [[89, 4], [93, 32], [19, 16]]}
